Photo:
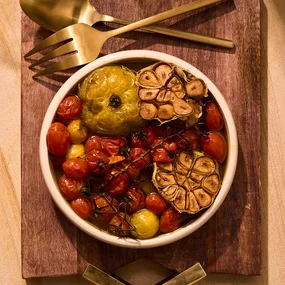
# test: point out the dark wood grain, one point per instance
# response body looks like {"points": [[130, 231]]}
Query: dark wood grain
{"points": [[230, 241]]}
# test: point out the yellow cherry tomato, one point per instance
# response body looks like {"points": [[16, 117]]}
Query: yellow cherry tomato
{"points": [[75, 151], [146, 224], [78, 132]]}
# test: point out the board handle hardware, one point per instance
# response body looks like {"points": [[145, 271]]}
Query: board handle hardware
{"points": [[190, 276]]}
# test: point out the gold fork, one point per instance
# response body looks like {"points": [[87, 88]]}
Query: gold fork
{"points": [[87, 42]]}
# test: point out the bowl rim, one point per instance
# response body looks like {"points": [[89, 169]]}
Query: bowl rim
{"points": [[86, 226]]}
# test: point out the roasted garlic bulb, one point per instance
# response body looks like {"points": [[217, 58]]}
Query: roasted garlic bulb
{"points": [[165, 91], [190, 183]]}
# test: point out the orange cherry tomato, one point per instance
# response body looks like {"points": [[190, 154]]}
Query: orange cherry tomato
{"points": [[69, 109], [69, 188], [155, 203], [76, 168], [104, 206], [215, 146], [170, 221], [82, 207], [119, 226], [213, 120], [58, 139]]}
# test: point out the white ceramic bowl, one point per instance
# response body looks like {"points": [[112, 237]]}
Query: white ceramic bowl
{"points": [[133, 56]]}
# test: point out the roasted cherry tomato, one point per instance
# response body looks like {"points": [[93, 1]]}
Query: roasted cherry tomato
{"points": [[69, 188], [104, 206], [213, 120], [98, 162], [118, 185], [119, 226], [58, 139], [78, 132], [155, 203], [163, 153], [135, 200], [76, 168], [161, 131], [137, 153], [143, 138], [132, 170], [93, 142], [170, 221], [112, 146], [215, 146], [69, 109], [188, 140], [82, 207], [76, 150]]}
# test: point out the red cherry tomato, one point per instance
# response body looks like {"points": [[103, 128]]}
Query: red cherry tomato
{"points": [[76, 168], [69, 188], [188, 139], [132, 170], [163, 153], [161, 131], [155, 203], [98, 162], [58, 139], [135, 200], [104, 206], [144, 138], [213, 120], [215, 146], [82, 207], [170, 221], [93, 142], [118, 185], [119, 226], [69, 109], [136, 153], [112, 146]]}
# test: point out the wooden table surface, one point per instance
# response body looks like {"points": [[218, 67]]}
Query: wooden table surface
{"points": [[273, 152]]}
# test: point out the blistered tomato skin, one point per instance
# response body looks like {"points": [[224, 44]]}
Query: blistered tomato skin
{"points": [[136, 200], [144, 138], [188, 139], [119, 226], [69, 188], [132, 170], [213, 120], [136, 153], [155, 203], [58, 139], [116, 184], [69, 109], [163, 152], [76, 168], [98, 162], [112, 146], [93, 142], [104, 206], [82, 207], [215, 146], [170, 221]]}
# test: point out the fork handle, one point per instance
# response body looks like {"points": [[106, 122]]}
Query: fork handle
{"points": [[163, 16], [177, 33]]}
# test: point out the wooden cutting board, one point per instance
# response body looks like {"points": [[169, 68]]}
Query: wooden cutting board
{"points": [[230, 241]]}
